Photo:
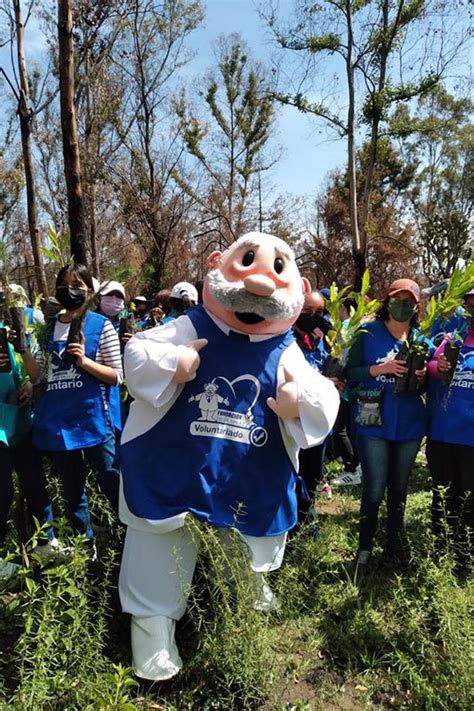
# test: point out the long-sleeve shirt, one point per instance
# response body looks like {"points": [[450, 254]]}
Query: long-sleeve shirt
{"points": [[433, 364]]}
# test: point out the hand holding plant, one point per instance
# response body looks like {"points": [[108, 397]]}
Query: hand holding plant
{"points": [[443, 364], [391, 367], [77, 351]]}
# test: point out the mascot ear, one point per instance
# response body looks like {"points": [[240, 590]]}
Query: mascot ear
{"points": [[214, 259], [306, 285]]}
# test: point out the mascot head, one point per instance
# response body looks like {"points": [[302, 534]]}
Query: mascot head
{"points": [[255, 286]]}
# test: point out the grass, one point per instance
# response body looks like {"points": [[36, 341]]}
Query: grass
{"points": [[403, 639]]}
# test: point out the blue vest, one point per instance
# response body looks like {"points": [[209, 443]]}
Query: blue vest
{"points": [[441, 327], [403, 416], [317, 357], [451, 409], [74, 412], [218, 452]]}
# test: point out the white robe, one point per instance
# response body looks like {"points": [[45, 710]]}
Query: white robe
{"points": [[149, 581]]}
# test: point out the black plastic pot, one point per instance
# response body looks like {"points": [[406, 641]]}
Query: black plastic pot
{"points": [[333, 368], [5, 351], [17, 315], [125, 326], [401, 381], [417, 362], [74, 336], [451, 352]]}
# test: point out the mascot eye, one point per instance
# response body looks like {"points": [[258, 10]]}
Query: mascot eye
{"points": [[278, 265], [248, 258]]}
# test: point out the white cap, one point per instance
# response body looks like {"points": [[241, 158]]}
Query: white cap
{"points": [[184, 288], [107, 287], [95, 284], [140, 298], [18, 293]]}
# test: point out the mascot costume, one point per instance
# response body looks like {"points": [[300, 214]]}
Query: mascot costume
{"points": [[223, 401]]}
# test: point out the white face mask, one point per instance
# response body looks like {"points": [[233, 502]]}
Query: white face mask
{"points": [[111, 305]]}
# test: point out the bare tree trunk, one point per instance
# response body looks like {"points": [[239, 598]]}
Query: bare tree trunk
{"points": [[90, 174], [358, 240], [389, 35], [26, 117], [93, 233], [72, 163]]}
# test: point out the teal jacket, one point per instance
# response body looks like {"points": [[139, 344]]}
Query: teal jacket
{"points": [[15, 423]]}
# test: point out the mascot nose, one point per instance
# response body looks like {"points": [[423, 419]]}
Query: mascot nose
{"points": [[259, 285]]}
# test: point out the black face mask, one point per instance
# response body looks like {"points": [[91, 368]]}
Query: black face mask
{"points": [[308, 322], [71, 298]]}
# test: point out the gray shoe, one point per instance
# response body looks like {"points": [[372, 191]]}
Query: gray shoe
{"points": [[349, 478]]}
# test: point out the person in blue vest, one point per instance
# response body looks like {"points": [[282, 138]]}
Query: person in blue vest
{"points": [[111, 305], [74, 418], [453, 322], [450, 446], [140, 312], [224, 399], [456, 322], [390, 427], [310, 338], [17, 453], [341, 444], [183, 296]]}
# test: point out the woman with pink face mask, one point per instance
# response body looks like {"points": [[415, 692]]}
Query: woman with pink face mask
{"points": [[111, 305], [112, 301]]}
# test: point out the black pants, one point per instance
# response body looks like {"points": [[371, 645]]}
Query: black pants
{"points": [[340, 445], [312, 472], [452, 467], [26, 461]]}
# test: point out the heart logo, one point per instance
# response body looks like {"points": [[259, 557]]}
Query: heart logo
{"points": [[242, 392]]}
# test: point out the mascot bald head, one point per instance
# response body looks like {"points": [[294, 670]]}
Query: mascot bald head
{"points": [[255, 286]]}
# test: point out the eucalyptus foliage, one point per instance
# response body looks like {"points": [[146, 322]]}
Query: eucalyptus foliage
{"points": [[344, 332], [443, 305]]}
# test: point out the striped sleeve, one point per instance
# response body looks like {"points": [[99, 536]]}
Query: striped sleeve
{"points": [[109, 350]]}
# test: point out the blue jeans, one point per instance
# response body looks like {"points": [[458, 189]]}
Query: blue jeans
{"points": [[26, 461], [386, 465], [71, 468]]}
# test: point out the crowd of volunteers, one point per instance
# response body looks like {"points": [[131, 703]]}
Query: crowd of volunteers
{"points": [[63, 401]]}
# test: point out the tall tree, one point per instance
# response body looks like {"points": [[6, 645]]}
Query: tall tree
{"points": [[98, 27], [436, 137], [227, 144], [72, 162], [26, 114], [392, 251], [390, 52], [150, 53]]}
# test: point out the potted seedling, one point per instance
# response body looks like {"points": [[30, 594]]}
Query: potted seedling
{"points": [[442, 306], [343, 333], [414, 352], [451, 353], [18, 325]]}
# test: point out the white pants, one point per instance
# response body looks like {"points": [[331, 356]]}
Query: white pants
{"points": [[157, 568]]}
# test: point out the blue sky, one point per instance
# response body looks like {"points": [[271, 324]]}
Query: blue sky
{"points": [[307, 156]]}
